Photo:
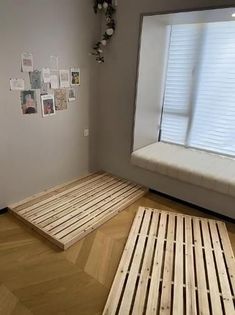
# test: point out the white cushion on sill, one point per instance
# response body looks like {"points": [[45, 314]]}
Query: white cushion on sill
{"points": [[209, 170]]}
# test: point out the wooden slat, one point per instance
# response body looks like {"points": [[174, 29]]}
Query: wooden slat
{"points": [[79, 212], [200, 269], [211, 271], [154, 295], [69, 207], [119, 280], [134, 268], [105, 217], [142, 291], [71, 204], [66, 216], [227, 297], [57, 196], [229, 255], [67, 200], [174, 264], [99, 212], [191, 308], [178, 305], [166, 298]]}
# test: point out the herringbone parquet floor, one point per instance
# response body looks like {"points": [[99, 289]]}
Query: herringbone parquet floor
{"points": [[37, 278]]}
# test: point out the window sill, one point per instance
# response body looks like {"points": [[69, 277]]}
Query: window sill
{"points": [[211, 171]]}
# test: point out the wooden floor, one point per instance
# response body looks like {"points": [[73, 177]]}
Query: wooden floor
{"points": [[174, 264], [68, 215], [38, 278]]}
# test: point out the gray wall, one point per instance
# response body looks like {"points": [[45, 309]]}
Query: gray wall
{"points": [[35, 152], [117, 96]]}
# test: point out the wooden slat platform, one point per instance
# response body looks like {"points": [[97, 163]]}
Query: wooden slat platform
{"points": [[68, 214], [174, 264]]}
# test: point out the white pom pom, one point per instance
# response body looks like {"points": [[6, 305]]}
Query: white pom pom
{"points": [[100, 50], [109, 31], [104, 42], [105, 5], [99, 6]]}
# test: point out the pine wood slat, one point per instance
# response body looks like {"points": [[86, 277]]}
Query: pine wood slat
{"points": [[71, 203], [99, 213], [68, 199], [67, 215], [62, 210], [75, 216], [174, 264], [200, 269], [142, 290], [154, 290], [178, 306], [190, 285]]}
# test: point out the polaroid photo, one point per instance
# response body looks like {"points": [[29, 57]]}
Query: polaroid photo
{"points": [[75, 76], [54, 81], [17, 84], [35, 79], [28, 102], [46, 75], [60, 99], [64, 79], [72, 95], [44, 88], [26, 62], [48, 105]]}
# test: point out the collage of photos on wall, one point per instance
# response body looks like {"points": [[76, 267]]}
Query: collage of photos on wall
{"points": [[55, 87]]}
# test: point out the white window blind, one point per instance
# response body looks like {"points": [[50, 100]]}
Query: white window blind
{"points": [[199, 100]]}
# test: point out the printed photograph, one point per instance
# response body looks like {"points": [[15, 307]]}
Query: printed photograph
{"points": [[75, 76], [17, 84], [26, 62], [46, 75], [28, 102], [35, 79], [60, 99], [48, 105], [64, 78], [54, 80], [72, 95], [44, 88]]}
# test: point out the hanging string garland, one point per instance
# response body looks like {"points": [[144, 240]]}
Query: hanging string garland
{"points": [[108, 8]]}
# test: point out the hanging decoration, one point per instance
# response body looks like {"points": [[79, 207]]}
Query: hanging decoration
{"points": [[109, 10]]}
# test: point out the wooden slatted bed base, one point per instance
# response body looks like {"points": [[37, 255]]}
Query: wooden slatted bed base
{"points": [[68, 213], [174, 264]]}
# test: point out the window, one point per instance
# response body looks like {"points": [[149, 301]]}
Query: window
{"points": [[199, 98]]}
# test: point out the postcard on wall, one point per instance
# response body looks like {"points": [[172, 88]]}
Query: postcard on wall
{"points": [[28, 102], [75, 76], [44, 88], [64, 78], [35, 79], [54, 81], [46, 75], [26, 62], [17, 84], [54, 63], [48, 105], [72, 95], [60, 99]]}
